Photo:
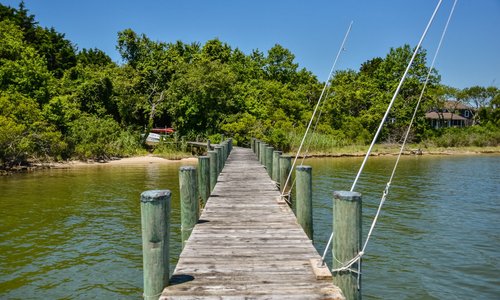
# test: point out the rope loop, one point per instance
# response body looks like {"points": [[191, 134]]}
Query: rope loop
{"points": [[286, 197], [347, 265]]}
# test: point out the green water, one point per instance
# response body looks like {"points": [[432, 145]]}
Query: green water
{"points": [[75, 234]]}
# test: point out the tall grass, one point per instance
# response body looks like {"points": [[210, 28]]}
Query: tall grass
{"points": [[466, 137], [171, 150], [322, 143]]}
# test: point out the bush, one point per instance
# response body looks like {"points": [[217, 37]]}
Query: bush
{"points": [[279, 139], [128, 144], [94, 137], [478, 136], [13, 142]]}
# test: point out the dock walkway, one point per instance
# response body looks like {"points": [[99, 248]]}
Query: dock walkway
{"points": [[247, 245]]}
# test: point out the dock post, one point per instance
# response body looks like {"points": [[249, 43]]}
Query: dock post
{"points": [[204, 178], [252, 144], [257, 147], [285, 167], [155, 220], [269, 160], [189, 201], [230, 143], [276, 166], [304, 199], [219, 159], [347, 241], [263, 147], [261, 143], [224, 152], [214, 164], [209, 147], [226, 146]]}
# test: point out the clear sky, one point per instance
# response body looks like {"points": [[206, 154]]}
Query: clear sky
{"points": [[312, 30]]}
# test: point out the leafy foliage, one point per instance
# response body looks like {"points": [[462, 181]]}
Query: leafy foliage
{"points": [[58, 103]]}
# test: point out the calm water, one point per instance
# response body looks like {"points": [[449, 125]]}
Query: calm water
{"points": [[75, 234]]}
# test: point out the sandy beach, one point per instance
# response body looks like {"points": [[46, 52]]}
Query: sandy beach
{"points": [[136, 160]]}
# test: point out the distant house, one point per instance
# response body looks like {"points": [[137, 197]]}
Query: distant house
{"points": [[452, 114]]}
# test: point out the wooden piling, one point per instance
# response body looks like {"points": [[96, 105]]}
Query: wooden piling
{"points": [[263, 147], [224, 152], [209, 147], [257, 149], [346, 241], [219, 159], [285, 167], [304, 199], [155, 220], [204, 178], [269, 160], [189, 201], [252, 144], [230, 144], [214, 165], [276, 166]]}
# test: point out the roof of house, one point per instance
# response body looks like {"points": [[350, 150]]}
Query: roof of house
{"points": [[444, 116], [456, 105]]}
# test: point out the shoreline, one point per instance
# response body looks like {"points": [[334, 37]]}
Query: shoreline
{"points": [[343, 153], [394, 152]]}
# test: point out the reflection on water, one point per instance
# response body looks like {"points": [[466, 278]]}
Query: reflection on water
{"points": [[75, 234], [439, 232]]}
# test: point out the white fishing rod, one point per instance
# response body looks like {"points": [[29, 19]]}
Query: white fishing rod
{"points": [[424, 34]]}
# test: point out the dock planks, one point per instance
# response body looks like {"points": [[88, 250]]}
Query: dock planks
{"points": [[246, 245]]}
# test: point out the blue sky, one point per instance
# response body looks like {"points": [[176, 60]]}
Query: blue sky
{"points": [[312, 30]]}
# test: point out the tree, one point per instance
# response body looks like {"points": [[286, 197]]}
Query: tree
{"points": [[215, 50], [279, 64], [94, 57], [359, 99], [22, 69], [94, 137], [154, 70], [58, 52], [200, 96], [477, 96], [483, 99]]}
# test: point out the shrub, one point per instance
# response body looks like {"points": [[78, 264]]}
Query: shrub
{"points": [[479, 136], [94, 137]]}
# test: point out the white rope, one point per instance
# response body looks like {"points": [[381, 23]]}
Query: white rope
{"points": [[318, 103], [361, 253], [394, 96], [386, 190]]}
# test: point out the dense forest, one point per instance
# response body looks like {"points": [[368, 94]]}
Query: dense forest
{"points": [[58, 102]]}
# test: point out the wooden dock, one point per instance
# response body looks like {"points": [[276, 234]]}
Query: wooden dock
{"points": [[247, 244]]}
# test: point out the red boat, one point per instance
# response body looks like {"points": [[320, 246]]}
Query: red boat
{"points": [[163, 130]]}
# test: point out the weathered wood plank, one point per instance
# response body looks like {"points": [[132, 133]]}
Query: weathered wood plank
{"points": [[247, 245]]}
